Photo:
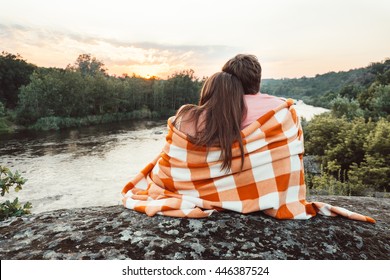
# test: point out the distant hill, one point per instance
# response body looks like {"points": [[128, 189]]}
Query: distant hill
{"points": [[321, 89]]}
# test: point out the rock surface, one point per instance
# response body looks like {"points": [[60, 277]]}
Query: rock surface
{"points": [[311, 164], [118, 233]]}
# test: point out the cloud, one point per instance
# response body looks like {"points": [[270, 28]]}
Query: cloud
{"points": [[55, 48]]}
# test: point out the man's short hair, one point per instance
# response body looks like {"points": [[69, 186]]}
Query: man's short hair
{"points": [[247, 69]]}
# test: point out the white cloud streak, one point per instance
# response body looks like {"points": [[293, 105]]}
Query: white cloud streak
{"points": [[120, 56]]}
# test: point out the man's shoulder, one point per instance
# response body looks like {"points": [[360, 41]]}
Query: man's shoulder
{"points": [[265, 97]]}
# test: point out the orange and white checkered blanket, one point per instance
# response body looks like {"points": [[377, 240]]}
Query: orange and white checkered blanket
{"points": [[185, 180]]}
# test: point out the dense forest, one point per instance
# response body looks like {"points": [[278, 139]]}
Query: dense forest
{"points": [[84, 94], [351, 142]]}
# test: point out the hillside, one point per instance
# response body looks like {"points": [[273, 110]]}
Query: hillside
{"points": [[321, 89]]}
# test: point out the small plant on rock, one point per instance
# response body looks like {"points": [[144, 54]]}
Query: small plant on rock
{"points": [[9, 180]]}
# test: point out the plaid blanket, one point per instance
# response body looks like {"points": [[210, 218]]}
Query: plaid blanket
{"points": [[186, 180]]}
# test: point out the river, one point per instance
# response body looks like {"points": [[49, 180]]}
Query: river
{"points": [[86, 166]]}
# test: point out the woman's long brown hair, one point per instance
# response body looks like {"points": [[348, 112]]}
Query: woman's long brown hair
{"points": [[222, 104]]}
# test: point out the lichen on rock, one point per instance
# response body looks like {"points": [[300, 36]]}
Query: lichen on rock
{"points": [[118, 233]]}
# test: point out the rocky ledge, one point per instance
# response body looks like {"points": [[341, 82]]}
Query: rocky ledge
{"points": [[118, 233]]}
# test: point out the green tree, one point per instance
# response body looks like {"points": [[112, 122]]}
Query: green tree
{"points": [[349, 149], [323, 133], [384, 78], [371, 175], [350, 91], [381, 101], [343, 107], [375, 101], [378, 141], [181, 88], [88, 65], [14, 72]]}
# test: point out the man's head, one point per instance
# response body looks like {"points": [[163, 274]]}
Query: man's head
{"points": [[247, 69]]}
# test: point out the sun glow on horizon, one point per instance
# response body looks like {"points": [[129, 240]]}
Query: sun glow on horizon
{"points": [[139, 70], [148, 70]]}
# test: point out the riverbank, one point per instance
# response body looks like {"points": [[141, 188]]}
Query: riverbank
{"points": [[118, 233], [54, 123]]}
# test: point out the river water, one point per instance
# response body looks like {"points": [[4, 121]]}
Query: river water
{"points": [[87, 166]]}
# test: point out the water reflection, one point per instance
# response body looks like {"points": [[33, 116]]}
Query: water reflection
{"points": [[96, 140]]}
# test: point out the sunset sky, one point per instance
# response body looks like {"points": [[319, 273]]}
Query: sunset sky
{"points": [[158, 37]]}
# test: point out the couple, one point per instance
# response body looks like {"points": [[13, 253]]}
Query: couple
{"points": [[238, 150]]}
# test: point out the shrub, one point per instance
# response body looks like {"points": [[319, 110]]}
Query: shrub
{"points": [[328, 184], [4, 127], [47, 123], [9, 180]]}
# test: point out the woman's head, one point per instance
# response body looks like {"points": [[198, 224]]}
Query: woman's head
{"points": [[222, 88], [247, 69], [222, 103]]}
